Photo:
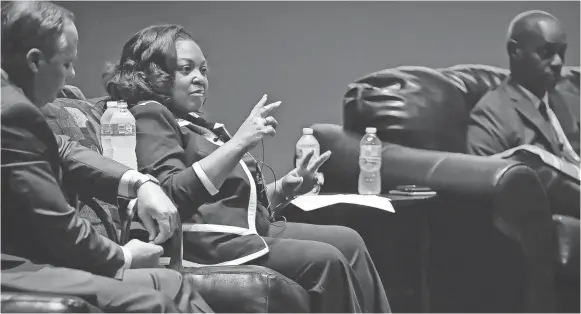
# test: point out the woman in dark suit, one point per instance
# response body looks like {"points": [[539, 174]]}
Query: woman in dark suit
{"points": [[226, 208]]}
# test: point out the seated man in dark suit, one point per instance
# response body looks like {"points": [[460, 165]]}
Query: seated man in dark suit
{"points": [[46, 247], [531, 108]]}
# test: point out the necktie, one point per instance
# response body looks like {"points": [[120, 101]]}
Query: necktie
{"points": [[567, 151]]}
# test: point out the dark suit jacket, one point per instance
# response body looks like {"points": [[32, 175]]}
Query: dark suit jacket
{"points": [[506, 118], [40, 172], [167, 151]]}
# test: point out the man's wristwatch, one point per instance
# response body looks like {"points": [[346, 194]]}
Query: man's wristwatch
{"points": [[142, 180]]}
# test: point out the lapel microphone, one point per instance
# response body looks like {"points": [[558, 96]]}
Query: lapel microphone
{"points": [[218, 128]]}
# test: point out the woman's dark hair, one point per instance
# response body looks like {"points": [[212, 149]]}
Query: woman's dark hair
{"points": [[147, 65]]}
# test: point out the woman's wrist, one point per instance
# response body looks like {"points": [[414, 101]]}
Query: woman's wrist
{"points": [[238, 147], [283, 195]]}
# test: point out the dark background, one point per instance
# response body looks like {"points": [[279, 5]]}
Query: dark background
{"points": [[305, 53]]}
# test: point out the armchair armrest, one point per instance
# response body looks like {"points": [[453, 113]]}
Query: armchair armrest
{"points": [[446, 173], [21, 302], [455, 173]]}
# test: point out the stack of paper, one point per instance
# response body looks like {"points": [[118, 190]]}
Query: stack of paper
{"points": [[312, 202], [557, 163]]}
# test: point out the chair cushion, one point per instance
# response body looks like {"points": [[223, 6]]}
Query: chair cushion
{"points": [[71, 92], [80, 121], [76, 119]]}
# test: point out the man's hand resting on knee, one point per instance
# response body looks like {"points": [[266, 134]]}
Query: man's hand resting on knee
{"points": [[142, 254]]}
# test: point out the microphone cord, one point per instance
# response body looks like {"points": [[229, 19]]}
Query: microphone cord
{"points": [[271, 219]]}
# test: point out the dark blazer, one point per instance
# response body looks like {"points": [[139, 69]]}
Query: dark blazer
{"points": [[41, 173], [167, 151], [505, 118]]}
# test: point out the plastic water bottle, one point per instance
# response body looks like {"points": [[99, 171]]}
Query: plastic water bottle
{"points": [[370, 163], [306, 143], [106, 129], [123, 137]]}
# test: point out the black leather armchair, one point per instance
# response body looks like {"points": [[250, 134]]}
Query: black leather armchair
{"points": [[492, 239]]}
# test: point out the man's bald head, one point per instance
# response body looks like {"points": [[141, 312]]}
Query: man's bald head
{"points": [[536, 46], [531, 25]]}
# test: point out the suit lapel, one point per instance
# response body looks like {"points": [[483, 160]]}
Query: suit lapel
{"points": [[530, 112]]}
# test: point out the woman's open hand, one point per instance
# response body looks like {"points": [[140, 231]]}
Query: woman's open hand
{"points": [[303, 178]]}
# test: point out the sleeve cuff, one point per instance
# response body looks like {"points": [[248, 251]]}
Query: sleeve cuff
{"points": [[204, 179], [127, 264], [128, 258], [127, 183]]}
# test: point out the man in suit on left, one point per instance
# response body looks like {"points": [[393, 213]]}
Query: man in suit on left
{"points": [[46, 246]]}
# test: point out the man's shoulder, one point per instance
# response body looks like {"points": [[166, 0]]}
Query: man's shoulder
{"points": [[497, 99], [16, 105], [501, 92], [12, 94]]}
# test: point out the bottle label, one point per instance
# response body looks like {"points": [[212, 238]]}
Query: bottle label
{"points": [[371, 152], [106, 129], [123, 129]]}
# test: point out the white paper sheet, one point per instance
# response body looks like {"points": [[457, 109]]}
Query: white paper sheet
{"points": [[312, 202]]}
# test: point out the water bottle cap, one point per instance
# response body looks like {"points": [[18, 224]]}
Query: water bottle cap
{"points": [[371, 130], [307, 131], [111, 104]]}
